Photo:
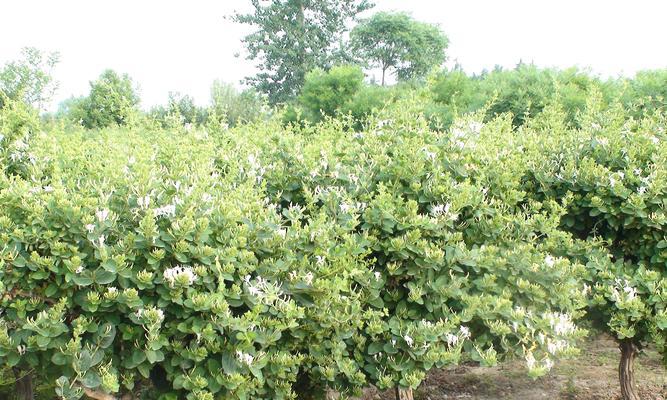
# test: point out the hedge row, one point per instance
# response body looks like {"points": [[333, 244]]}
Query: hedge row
{"points": [[279, 263]]}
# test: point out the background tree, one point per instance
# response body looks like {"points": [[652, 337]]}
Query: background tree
{"points": [[112, 99], [234, 106], [29, 79], [179, 110], [395, 40], [294, 37]]}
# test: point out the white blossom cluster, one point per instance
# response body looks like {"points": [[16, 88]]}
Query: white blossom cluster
{"points": [[144, 202], [166, 211], [549, 260], [184, 275], [623, 291], [461, 133], [263, 289], [444, 210], [102, 215], [561, 323], [307, 278], [255, 169], [244, 358], [153, 315]]}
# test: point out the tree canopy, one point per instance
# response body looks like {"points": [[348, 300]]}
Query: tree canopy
{"points": [[396, 41], [29, 79], [111, 100], [294, 37]]}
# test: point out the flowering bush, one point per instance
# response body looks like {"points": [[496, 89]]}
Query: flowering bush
{"points": [[266, 262], [613, 173]]}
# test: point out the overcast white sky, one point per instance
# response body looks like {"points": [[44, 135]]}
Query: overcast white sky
{"points": [[168, 45]]}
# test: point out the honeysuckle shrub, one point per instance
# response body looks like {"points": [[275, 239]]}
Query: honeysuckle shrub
{"points": [[614, 170], [451, 235], [18, 124], [271, 262]]}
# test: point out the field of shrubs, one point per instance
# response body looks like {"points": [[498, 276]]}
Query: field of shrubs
{"points": [[293, 259]]}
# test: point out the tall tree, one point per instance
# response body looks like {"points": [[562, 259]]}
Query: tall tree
{"points": [[294, 37], [395, 40], [30, 79], [112, 100]]}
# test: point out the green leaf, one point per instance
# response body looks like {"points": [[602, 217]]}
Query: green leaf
{"points": [[104, 277], [91, 380]]}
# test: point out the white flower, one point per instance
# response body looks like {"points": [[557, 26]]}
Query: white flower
{"points": [[100, 240], [169, 210], [408, 340], [346, 207], [21, 349], [48, 189], [255, 291], [548, 364], [79, 270], [112, 290], [458, 133], [308, 278], [102, 215], [144, 202], [561, 323], [630, 292], [377, 276], [655, 140], [438, 209], [549, 260], [90, 228], [429, 154], [530, 361], [180, 273], [320, 260], [475, 126], [244, 358], [641, 190], [465, 332], [452, 340]]}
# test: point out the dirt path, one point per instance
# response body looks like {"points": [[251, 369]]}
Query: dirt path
{"points": [[593, 376]]}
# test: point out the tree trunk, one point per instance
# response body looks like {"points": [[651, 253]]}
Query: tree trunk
{"points": [[23, 385], [384, 69], [404, 394], [626, 372]]}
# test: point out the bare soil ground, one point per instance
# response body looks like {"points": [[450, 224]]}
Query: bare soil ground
{"points": [[592, 376]]}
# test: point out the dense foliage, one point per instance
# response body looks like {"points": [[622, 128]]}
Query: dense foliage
{"points": [[267, 262]]}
